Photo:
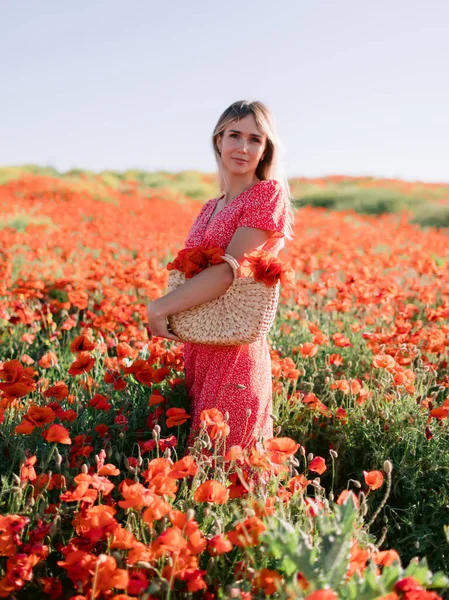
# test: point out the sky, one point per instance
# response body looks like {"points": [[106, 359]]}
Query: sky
{"points": [[356, 87]]}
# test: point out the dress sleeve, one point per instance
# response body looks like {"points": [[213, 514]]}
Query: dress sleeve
{"points": [[265, 208]]}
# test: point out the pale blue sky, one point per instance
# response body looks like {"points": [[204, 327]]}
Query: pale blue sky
{"points": [[357, 87]]}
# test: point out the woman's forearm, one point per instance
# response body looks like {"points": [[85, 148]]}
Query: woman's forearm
{"points": [[206, 285]]}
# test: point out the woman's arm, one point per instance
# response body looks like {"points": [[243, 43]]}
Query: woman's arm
{"points": [[206, 285]]}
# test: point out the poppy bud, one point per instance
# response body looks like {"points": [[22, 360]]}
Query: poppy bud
{"points": [[58, 458], [310, 457], [84, 469], [333, 453], [388, 467]]}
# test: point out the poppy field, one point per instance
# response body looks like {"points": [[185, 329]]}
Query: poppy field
{"points": [[99, 496]]}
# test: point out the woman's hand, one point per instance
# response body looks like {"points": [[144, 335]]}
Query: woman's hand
{"points": [[157, 324]]}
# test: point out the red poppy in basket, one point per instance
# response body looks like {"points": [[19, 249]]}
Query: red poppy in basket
{"points": [[191, 261], [268, 269]]}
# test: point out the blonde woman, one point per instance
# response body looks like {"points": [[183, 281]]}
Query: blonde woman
{"points": [[253, 212]]}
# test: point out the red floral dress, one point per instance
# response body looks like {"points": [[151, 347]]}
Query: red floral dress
{"points": [[235, 378]]}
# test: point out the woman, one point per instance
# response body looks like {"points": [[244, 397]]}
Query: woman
{"points": [[253, 212]]}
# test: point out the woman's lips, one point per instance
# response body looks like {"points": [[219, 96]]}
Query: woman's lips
{"points": [[240, 161]]}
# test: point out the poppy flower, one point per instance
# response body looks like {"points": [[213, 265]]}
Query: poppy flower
{"points": [[48, 360], [82, 344], [176, 416], [346, 494], [246, 534], [318, 465], [185, 467], [157, 466], [169, 442], [162, 485], [383, 361], [40, 415], [189, 261], [268, 580], [218, 545], [265, 267], [83, 364], [108, 470], [373, 479], [136, 496], [308, 349], [340, 340], [299, 482], [219, 430], [18, 380], [385, 558], [57, 433], [440, 413], [234, 453], [108, 576], [212, 416], [214, 255], [26, 359], [408, 584], [25, 427], [157, 509], [211, 491], [27, 471], [156, 398], [283, 445], [170, 540], [59, 391]]}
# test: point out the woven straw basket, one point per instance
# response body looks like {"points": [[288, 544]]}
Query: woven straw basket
{"points": [[244, 313]]}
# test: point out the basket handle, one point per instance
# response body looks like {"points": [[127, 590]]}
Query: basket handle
{"points": [[233, 262]]}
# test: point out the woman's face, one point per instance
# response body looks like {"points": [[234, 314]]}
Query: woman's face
{"points": [[242, 146]]}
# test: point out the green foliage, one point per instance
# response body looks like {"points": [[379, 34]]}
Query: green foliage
{"points": [[432, 215], [20, 221], [416, 511], [324, 560], [371, 201]]}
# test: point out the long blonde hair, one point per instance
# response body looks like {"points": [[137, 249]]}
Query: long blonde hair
{"points": [[271, 167]]}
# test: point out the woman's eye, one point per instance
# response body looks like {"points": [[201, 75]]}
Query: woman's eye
{"points": [[236, 135]]}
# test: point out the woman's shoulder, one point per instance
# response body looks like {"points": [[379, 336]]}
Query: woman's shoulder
{"points": [[267, 187], [267, 190]]}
